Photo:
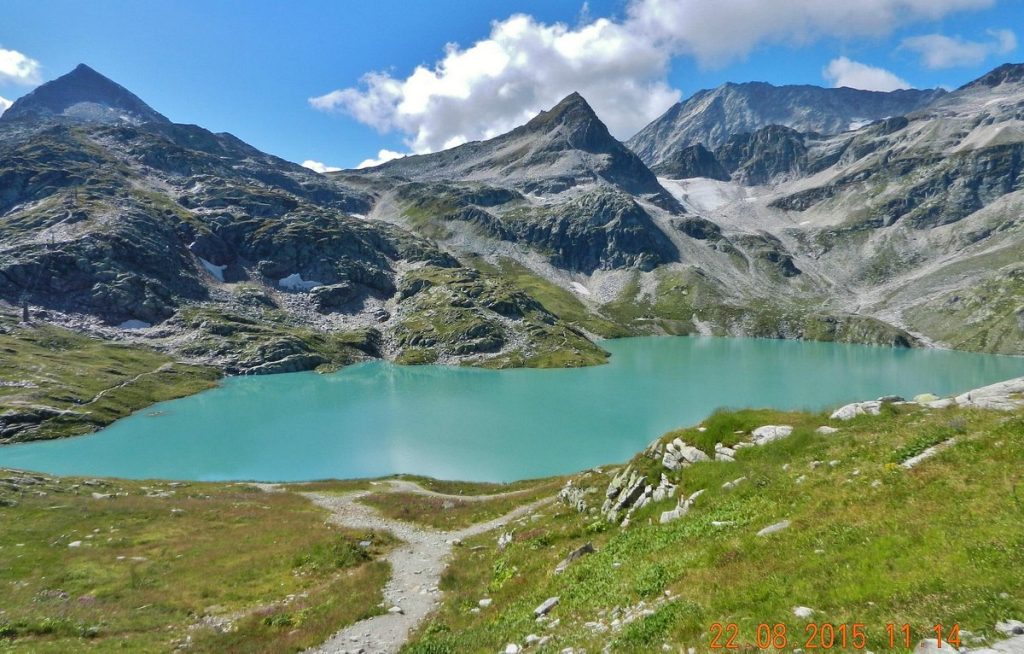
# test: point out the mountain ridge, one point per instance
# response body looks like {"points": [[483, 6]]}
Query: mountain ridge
{"points": [[711, 116]]}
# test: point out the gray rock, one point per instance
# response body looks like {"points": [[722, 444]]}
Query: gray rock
{"points": [[545, 607], [851, 411], [1010, 627], [825, 429], [770, 433], [579, 552]]}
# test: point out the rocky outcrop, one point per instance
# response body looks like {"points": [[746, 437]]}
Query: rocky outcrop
{"points": [[682, 508], [763, 156], [629, 491], [597, 231], [691, 161], [679, 454]]}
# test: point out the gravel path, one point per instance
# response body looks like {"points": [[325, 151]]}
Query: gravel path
{"points": [[416, 567]]}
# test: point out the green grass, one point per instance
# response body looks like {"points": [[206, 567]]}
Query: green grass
{"points": [[93, 382], [150, 568], [987, 317], [473, 487], [869, 543], [473, 315], [555, 299]]}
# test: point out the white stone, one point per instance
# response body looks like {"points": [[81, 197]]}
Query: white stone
{"points": [[770, 433], [512, 648], [485, 602], [803, 612], [825, 429], [75, 543], [851, 411], [1010, 627], [693, 455], [771, 529]]}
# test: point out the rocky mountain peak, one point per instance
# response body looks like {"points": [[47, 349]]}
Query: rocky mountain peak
{"points": [[1005, 74], [577, 122], [83, 95]]}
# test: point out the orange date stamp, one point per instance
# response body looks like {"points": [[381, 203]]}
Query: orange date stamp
{"points": [[825, 636]]}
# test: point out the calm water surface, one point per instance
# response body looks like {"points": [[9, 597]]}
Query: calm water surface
{"points": [[458, 423]]}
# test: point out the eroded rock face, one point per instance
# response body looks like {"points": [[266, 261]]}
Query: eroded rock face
{"points": [[691, 161]]}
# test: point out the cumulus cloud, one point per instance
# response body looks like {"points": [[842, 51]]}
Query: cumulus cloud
{"points": [[620, 66], [318, 166], [941, 51], [383, 156], [846, 72], [18, 68], [503, 81], [4, 103]]}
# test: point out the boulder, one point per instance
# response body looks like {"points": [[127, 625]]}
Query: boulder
{"points": [[1010, 627], [545, 607], [332, 297], [770, 433], [851, 411]]}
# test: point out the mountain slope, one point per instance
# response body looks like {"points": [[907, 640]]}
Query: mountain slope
{"points": [[167, 235], [83, 94], [560, 149], [710, 117]]}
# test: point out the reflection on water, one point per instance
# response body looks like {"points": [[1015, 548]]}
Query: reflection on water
{"points": [[458, 423]]}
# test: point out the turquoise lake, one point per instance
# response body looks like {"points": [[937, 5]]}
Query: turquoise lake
{"points": [[459, 423]]}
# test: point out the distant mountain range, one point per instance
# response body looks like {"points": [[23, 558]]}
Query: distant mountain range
{"points": [[794, 211]]}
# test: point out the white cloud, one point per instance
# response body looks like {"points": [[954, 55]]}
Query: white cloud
{"points": [[846, 72], [16, 67], [4, 104], [319, 167], [718, 32], [503, 81], [941, 51], [382, 157], [620, 66]]}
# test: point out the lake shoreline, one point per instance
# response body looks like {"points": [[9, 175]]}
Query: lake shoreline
{"points": [[789, 375]]}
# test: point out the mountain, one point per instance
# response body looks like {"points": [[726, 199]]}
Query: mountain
{"points": [[560, 149], [83, 94], [521, 249], [710, 117], [119, 223], [560, 185]]}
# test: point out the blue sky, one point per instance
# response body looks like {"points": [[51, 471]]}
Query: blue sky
{"points": [[251, 68]]}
